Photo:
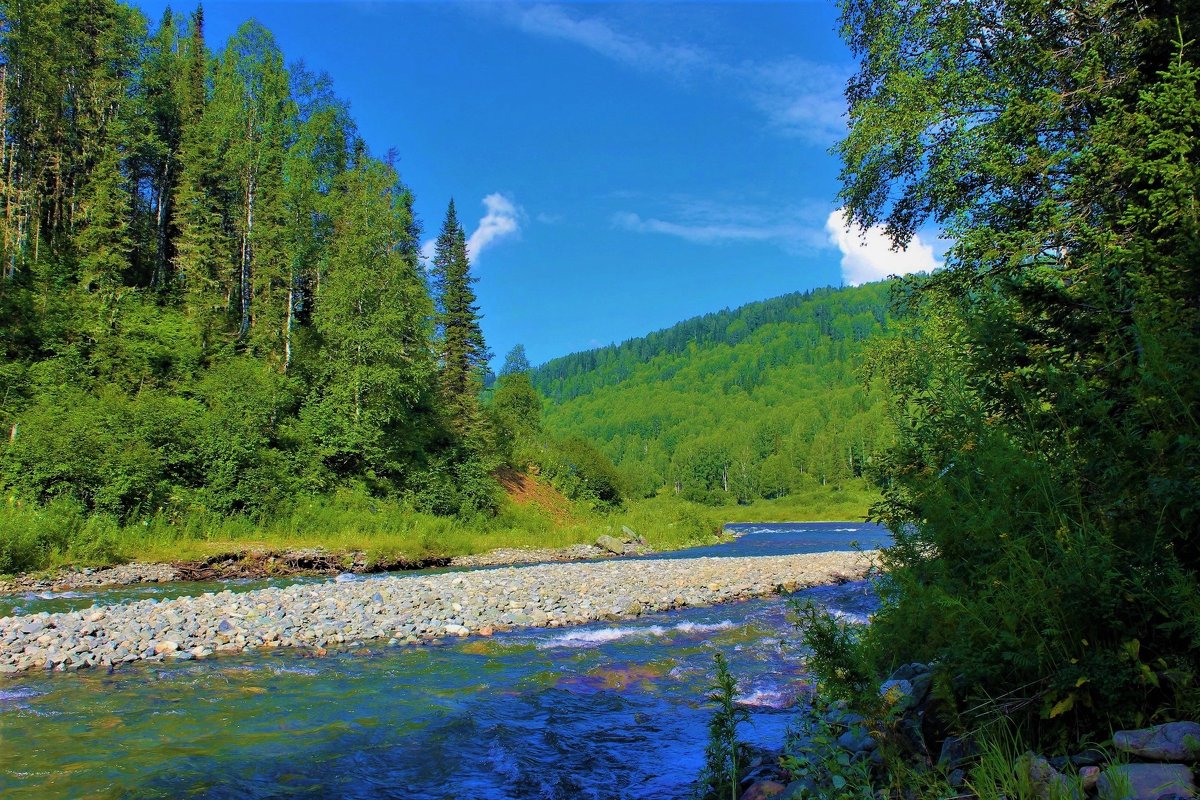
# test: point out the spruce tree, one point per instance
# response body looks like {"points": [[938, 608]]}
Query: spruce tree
{"points": [[516, 361], [462, 352]]}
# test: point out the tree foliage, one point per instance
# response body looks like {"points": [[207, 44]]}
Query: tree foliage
{"points": [[756, 402], [1044, 484], [210, 297], [462, 353]]}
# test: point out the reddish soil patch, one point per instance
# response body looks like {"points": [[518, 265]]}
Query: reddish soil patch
{"points": [[525, 489]]}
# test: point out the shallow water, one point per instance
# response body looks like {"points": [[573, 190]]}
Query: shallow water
{"points": [[596, 711], [787, 538]]}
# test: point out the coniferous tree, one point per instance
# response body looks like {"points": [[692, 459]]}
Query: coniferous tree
{"points": [[162, 92], [516, 408], [515, 361], [462, 352], [203, 247]]}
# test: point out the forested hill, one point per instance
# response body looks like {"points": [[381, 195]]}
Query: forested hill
{"points": [[754, 402], [858, 315]]}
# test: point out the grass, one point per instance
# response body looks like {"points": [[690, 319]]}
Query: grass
{"points": [[845, 502], [33, 537]]}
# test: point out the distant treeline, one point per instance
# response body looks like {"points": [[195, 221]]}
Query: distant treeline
{"points": [[570, 376], [735, 405]]}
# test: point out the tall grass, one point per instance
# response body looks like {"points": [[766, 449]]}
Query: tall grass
{"points": [[36, 537]]}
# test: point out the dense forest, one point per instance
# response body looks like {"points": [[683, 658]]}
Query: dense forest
{"points": [[736, 405], [1044, 484], [211, 296]]}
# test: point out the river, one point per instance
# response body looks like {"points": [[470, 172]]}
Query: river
{"points": [[596, 711]]}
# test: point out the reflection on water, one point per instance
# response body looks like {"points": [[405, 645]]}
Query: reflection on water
{"points": [[599, 711]]}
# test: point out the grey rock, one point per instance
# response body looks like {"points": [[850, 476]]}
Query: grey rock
{"points": [[611, 544], [856, 740], [413, 607], [909, 671], [1046, 781], [798, 789], [1174, 741], [1146, 782], [956, 751], [897, 692]]}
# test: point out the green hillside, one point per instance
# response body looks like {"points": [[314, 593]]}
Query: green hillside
{"points": [[761, 401]]}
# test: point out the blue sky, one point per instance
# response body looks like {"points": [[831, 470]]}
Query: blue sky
{"points": [[618, 167]]}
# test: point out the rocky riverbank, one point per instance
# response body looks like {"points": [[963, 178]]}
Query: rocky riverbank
{"points": [[307, 561], [403, 609]]}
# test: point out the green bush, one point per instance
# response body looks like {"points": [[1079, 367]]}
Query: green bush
{"points": [[581, 472], [31, 537]]}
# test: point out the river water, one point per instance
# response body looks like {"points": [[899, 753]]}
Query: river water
{"points": [[608, 710]]}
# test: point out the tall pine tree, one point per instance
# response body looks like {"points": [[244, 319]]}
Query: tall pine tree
{"points": [[462, 353]]}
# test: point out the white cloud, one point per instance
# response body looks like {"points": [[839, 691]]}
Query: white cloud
{"points": [[706, 233], [599, 36], [706, 222], [501, 221], [868, 255], [427, 250], [796, 98], [800, 98]]}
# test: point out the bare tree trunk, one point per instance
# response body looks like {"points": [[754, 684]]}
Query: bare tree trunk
{"points": [[246, 255], [163, 198], [287, 331]]}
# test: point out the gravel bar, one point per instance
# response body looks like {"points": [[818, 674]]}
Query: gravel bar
{"points": [[402, 609]]}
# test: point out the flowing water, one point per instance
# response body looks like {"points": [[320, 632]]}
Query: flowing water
{"points": [[596, 711]]}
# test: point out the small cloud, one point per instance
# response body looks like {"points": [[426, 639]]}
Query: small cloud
{"points": [[799, 98], [703, 233], [501, 221], [427, 250], [796, 98], [868, 255], [549, 219], [597, 35], [710, 223]]}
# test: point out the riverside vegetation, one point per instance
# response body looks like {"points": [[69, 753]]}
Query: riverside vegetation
{"points": [[1043, 591], [217, 330]]}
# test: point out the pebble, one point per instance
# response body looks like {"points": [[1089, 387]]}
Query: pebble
{"points": [[405, 608], [122, 574]]}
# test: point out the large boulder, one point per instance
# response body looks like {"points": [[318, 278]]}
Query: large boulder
{"points": [[1175, 741], [761, 790], [1145, 782], [1045, 780], [611, 544]]}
